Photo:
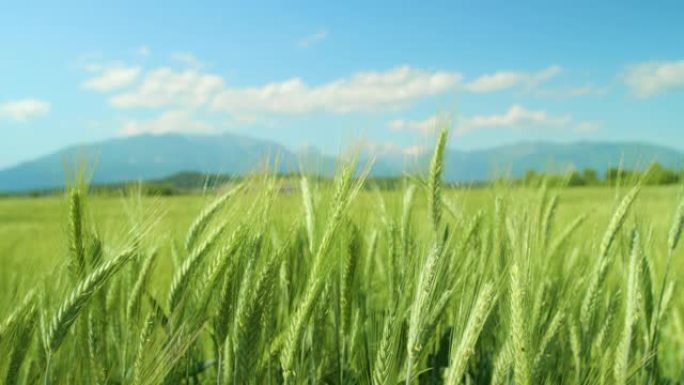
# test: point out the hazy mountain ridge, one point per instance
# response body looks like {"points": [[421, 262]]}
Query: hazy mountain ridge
{"points": [[157, 156]]}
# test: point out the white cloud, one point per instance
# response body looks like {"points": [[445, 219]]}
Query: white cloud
{"points": [[187, 59], [494, 82], [313, 39], [111, 78], [655, 77], [517, 117], [166, 87], [426, 126], [508, 79], [24, 110], [170, 121], [363, 91]]}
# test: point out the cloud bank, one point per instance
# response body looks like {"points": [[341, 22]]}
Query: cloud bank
{"points": [[363, 91], [654, 78]]}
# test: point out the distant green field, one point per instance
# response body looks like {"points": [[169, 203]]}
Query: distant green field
{"points": [[33, 231]]}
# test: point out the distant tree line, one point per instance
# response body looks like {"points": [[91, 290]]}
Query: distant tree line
{"points": [[656, 174], [191, 182]]}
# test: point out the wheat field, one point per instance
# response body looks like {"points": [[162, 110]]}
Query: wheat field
{"points": [[339, 283]]}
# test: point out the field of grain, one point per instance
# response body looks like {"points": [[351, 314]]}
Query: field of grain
{"points": [[339, 284]]}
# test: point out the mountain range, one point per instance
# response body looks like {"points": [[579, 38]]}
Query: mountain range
{"points": [[146, 157]]}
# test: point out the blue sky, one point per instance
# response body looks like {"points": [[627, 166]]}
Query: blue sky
{"points": [[335, 74]]}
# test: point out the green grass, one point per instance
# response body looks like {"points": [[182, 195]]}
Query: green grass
{"points": [[424, 285]]}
